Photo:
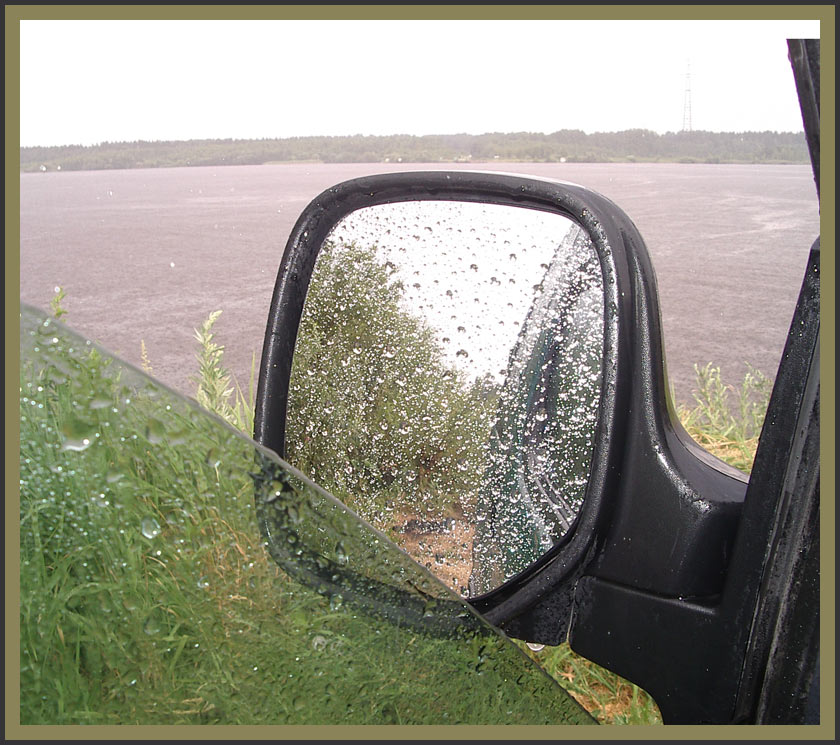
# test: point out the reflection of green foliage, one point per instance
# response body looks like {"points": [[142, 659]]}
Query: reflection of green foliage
{"points": [[147, 595], [375, 415]]}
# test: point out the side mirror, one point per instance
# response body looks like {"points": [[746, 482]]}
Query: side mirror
{"points": [[461, 358]]}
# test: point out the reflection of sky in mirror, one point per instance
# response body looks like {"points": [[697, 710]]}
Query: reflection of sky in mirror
{"points": [[471, 270]]}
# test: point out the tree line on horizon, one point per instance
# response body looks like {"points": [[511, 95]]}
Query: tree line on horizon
{"points": [[573, 146]]}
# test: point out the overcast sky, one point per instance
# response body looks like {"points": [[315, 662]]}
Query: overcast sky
{"points": [[84, 82]]}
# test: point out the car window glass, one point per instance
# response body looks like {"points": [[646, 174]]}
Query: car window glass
{"points": [[172, 571]]}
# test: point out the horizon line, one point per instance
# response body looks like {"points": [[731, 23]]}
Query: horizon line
{"points": [[403, 134]]}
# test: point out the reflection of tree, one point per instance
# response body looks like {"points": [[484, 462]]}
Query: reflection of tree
{"points": [[542, 441], [375, 415]]}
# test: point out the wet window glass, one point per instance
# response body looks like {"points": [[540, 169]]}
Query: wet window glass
{"points": [[447, 380], [173, 572]]}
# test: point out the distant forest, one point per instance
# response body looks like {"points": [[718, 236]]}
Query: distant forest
{"points": [[573, 146]]}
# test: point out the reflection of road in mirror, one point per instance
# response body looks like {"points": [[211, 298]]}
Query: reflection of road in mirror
{"points": [[446, 380]]}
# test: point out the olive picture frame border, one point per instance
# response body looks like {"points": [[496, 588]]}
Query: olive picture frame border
{"points": [[14, 13]]}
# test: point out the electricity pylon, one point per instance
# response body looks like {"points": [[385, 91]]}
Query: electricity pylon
{"points": [[686, 127]]}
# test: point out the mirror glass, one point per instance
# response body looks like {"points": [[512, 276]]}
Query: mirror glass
{"points": [[446, 381]]}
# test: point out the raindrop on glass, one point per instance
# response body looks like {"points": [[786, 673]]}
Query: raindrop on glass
{"points": [[149, 527]]}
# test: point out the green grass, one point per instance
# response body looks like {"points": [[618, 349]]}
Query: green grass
{"points": [[727, 420], [214, 389], [606, 696], [148, 595]]}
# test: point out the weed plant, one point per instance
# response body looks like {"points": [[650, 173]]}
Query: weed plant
{"points": [[727, 420]]}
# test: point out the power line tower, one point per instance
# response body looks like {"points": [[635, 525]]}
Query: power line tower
{"points": [[686, 127]]}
